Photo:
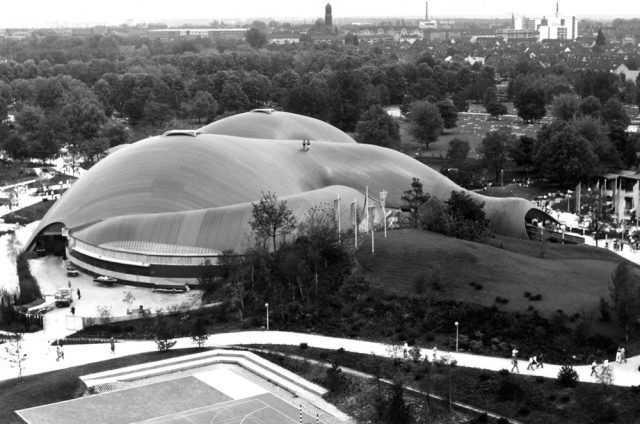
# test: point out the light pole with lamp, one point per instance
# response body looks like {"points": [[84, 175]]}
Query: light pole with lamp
{"points": [[456, 323], [266, 305]]}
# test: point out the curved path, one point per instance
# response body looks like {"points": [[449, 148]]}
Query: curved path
{"points": [[42, 358]]}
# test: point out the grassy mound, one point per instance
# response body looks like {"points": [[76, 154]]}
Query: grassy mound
{"points": [[571, 278]]}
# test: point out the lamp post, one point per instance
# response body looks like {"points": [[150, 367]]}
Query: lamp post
{"points": [[456, 323], [266, 305]]}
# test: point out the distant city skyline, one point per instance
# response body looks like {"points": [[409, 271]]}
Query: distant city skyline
{"points": [[39, 13]]}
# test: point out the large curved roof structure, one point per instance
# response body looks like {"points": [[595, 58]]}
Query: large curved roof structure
{"points": [[165, 199]]}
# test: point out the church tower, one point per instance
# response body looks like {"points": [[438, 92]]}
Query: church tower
{"points": [[328, 19]]}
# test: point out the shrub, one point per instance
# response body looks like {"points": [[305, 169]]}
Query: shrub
{"points": [[527, 294], [335, 381], [567, 377], [29, 288], [524, 411], [509, 389], [536, 297], [304, 345]]}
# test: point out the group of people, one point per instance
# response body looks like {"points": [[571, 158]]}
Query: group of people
{"points": [[535, 361]]}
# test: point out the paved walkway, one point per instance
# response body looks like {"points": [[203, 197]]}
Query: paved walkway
{"points": [[42, 358]]}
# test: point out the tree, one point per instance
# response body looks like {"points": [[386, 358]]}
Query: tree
{"points": [[457, 152], [565, 106], [272, 218], [199, 332], [625, 296], [413, 198], [425, 122], [563, 155], [490, 96], [591, 106], [377, 127], [597, 135], [256, 38], [465, 218], [600, 41], [530, 103], [448, 113], [164, 336], [600, 214], [496, 109], [202, 106], [522, 151], [15, 353], [393, 409], [129, 298], [494, 148]]}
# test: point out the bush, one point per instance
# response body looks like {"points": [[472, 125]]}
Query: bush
{"points": [[567, 377], [29, 288], [335, 381], [536, 297], [304, 345], [527, 294]]}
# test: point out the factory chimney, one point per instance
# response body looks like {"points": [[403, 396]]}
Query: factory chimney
{"points": [[426, 10]]}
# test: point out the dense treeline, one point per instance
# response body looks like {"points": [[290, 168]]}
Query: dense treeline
{"points": [[88, 92]]}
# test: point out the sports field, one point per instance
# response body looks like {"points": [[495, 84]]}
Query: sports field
{"points": [[207, 398]]}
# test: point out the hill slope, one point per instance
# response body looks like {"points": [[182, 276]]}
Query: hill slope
{"points": [[571, 278]]}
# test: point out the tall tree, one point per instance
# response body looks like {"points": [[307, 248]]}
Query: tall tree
{"points": [[377, 127], [425, 122], [496, 109], [625, 296], [494, 148], [256, 38], [565, 106], [448, 113], [271, 218], [413, 198], [457, 152], [530, 103], [563, 155]]}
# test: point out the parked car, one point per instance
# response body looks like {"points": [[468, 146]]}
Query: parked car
{"points": [[63, 296], [105, 280]]}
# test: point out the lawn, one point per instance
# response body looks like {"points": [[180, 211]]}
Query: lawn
{"points": [[57, 386], [571, 278], [29, 214], [471, 128]]}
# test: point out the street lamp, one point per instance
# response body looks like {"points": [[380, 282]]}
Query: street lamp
{"points": [[456, 323], [266, 305]]}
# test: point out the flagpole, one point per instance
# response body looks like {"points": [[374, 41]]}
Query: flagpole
{"points": [[355, 221], [339, 226], [366, 209]]}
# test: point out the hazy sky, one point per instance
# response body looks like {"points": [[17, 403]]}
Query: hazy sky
{"points": [[30, 13]]}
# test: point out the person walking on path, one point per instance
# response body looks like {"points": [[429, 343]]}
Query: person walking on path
{"points": [[435, 353], [532, 363], [618, 356], [405, 350], [623, 355], [113, 345], [514, 364], [78, 292], [59, 353], [540, 361], [594, 369]]}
